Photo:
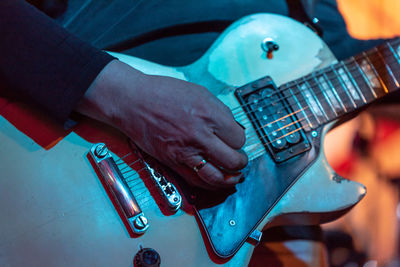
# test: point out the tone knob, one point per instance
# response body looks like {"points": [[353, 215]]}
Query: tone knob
{"points": [[147, 257]]}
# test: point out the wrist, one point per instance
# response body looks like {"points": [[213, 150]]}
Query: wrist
{"points": [[104, 97]]}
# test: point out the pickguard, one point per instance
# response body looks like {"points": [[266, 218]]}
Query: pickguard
{"points": [[230, 216]]}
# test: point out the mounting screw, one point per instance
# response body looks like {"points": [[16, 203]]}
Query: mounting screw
{"points": [[232, 223], [140, 222], [101, 150]]}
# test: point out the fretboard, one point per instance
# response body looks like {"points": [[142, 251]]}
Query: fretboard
{"points": [[346, 86]]}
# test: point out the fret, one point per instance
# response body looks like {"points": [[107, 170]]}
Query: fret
{"points": [[387, 51], [385, 73], [327, 94], [361, 81], [388, 68], [319, 92], [300, 112], [396, 52], [373, 75], [346, 91], [312, 102], [355, 91], [366, 73], [333, 94]]}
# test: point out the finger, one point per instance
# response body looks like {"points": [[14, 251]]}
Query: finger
{"points": [[215, 176], [212, 175], [222, 155], [229, 130], [190, 176]]}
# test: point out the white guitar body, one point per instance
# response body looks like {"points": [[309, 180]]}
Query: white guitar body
{"points": [[55, 211]]}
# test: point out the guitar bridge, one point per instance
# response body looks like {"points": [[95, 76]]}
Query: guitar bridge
{"points": [[277, 126], [123, 196], [167, 190]]}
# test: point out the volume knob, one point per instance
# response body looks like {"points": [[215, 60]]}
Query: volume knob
{"points": [[147, 257]]}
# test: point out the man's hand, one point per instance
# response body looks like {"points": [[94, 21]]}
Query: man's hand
{"points": [[179, 123]]}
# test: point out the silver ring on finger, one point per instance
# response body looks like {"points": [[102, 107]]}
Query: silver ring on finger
{"points": [[200, 165]]}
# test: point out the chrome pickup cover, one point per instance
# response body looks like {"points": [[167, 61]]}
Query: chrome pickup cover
{"points": [[275, 122]]}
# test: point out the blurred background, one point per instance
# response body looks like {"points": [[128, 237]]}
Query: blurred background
{"points": [[368, 152]]}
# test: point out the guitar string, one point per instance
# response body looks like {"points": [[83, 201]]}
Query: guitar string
{"points": [[140, 185], [255, 152], [145, 202], [321, 71], [135, 173], [141, 190], [330, 74], [316, 86], [302, 101], [132, 177], [130, 164], [306, 116], [135, 183], [321, 91], [121, 158], [118, 21], [328, 119], [283, 88], [138, 171], [341, 95], [244, 119], [254, 137], [326, 70], [257, 143]]}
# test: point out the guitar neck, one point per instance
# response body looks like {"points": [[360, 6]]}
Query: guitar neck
{"points": [[329, 93]]}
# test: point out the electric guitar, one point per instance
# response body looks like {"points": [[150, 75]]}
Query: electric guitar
{"points": [[82, 198]]}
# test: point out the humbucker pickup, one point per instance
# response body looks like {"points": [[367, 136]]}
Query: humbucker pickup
{"points": [[276, 124]]}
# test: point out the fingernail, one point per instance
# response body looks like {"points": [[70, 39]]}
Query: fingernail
{"points": [[244, 128], [240, 176]]}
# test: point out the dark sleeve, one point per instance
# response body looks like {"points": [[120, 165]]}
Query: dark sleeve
{"points": [[41, 62]]}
